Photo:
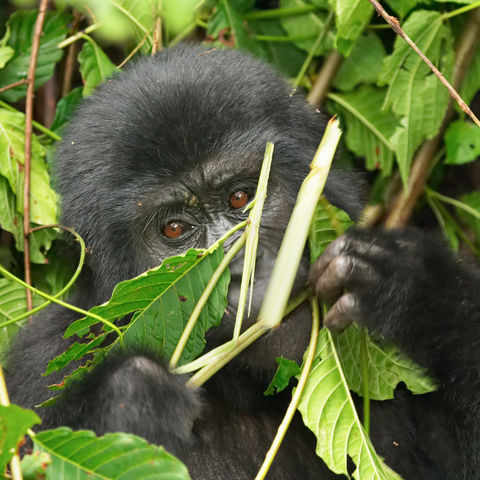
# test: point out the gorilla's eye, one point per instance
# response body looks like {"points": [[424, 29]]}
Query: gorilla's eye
{"points": [[175, 229], [238, 199]]}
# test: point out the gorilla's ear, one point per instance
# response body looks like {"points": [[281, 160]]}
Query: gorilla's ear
{"points": [[347, 189]]}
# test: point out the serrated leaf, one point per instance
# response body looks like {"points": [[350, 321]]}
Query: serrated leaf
{"points": [[43, 206], [65, 108], [285, 371], [95, 66], [308, 25], [21, 26], [414, 93], [363, 65], [82, 455], [471, 82], [14, 423], [351, 17], [387, 367], [462, 140], [368, 129], [328, 223], [161, 300], [328, 410], [402, 7]]}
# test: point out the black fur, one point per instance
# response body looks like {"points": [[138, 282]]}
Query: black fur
{"points": [[175, 133]]}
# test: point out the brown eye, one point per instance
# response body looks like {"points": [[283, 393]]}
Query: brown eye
{"points": [[238, 199], [174, 229]]}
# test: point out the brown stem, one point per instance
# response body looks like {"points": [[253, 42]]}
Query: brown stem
{"points": [[403, 205], [23, 81], [135, 50], [322, 83], [42, 10], [70, 60], [393, 22], [157, 33]]}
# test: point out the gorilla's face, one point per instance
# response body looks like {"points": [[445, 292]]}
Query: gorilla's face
{"points": [[164, 157]]}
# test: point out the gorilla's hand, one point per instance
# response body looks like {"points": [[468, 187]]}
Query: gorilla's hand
{"points": [[406, 286]]}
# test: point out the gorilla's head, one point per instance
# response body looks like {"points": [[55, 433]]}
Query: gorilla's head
{"points": [[163, 157]]}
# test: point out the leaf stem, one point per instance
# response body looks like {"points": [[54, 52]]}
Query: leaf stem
{"points": [[235, 248], [365, 379], [459, 11], [7, 274], [280, 12], [292, 407], [452, 201], [66, 287], [78, 35]]}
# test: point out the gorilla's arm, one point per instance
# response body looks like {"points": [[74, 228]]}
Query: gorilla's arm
{"points": [[131, 392], [406, 286]]}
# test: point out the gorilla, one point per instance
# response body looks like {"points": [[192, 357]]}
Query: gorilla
{"points": [[163, 157]]}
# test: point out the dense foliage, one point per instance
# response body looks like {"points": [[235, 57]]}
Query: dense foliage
{"points": [[390, 104]]}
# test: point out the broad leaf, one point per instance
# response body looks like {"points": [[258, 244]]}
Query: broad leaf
{"points": [[95, 66], [308, 26], [471, 82], [462, 140], [285, 371], [351, 17], [402, 7], [387, 367], [161, 300], [328, 410], [14, 423], [43, 206], [65, 108], [21, 26], [363, 65], [82, 455], [328, 223], [368, 129], [414, 93]]}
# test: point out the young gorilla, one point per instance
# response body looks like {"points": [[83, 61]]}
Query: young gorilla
{"points": [[162, 158]]}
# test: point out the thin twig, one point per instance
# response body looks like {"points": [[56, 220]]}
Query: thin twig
{"points": [[403, 205], [78, 35], [157, 31], [324, 79], [23, 81], [70, 61], [135, 50], [393, 22], [37, 33]]}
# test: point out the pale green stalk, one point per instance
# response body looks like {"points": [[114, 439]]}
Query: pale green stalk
{"points": [[293, 244], [251, 231], [455, 203], [292, 407], [236, 247], [78, 35]]}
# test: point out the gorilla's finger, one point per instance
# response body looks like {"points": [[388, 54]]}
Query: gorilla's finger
{"points": [[322, 262], [344, 312], [344, 272]]}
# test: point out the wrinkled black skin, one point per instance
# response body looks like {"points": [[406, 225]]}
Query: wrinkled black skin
{"points": [[183, 124]]}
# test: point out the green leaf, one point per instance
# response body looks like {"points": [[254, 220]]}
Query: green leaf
{"points": [[95, 66], [284, 55], [414, 93], [34, 465], [328, 410], [368, 129], [462, 140], [363, 65], [43, 206], [285, 371], [471, 82], [65, 108], [328, 223], [82, 455], [21, 26], [351, 17], [14, 423], [402, 7], [309, 25], [162, 300], [387, 367], [13, 303], [6, 53]]}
